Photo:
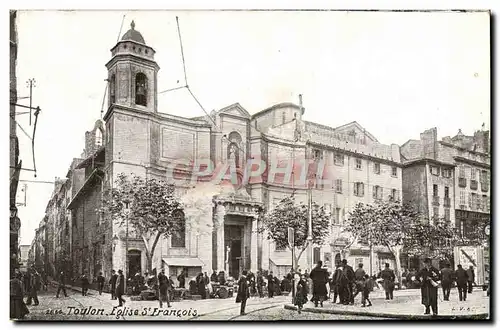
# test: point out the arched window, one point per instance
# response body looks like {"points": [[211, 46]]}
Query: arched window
{"points": [[179, 233], [98, 137], [141, 84], [112, 89]]}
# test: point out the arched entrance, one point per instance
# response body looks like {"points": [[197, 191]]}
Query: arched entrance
{"points": [[134, 262]]}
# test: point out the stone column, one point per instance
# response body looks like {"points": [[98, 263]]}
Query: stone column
{"points": [[253, 245], [219, 227]]}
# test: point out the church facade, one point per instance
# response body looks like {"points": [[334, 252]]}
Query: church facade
{"points": [[139, 139]]}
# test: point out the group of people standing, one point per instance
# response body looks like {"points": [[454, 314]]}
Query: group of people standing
{"points": [[25, 285]]}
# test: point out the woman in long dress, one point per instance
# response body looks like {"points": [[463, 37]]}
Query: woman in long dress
{"points": [[301, 294]]}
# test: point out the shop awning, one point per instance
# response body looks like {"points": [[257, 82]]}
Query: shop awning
{"points": [[282, 261], [184, 262]]}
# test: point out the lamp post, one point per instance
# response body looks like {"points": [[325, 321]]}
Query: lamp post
{"points": [[309, 226], [126, 211]]}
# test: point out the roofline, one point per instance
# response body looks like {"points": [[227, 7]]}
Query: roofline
{"points": [[426, 160], [278, 106], [82, 164], [80, 192]]}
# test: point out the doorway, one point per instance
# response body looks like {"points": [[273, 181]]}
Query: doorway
{"points": [[233, 239], [134, 263]]}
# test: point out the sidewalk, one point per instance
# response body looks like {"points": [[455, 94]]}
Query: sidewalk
{"points": [[407, 305]]}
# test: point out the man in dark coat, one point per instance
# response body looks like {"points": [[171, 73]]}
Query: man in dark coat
{"points": [[428, 277], [182, 279], [388, 276], [112, 283], [100, 283], [359, 278], [213, 277], [61, 285], [347, 283], [18, 308], [164, 283], [319, 277], [461, 278], [446, 281], [260, 284], [251, 282], [243, 292], [120, 288], [335, 284], [35, 283], [471, 280], [85, 284], [270, 285]]}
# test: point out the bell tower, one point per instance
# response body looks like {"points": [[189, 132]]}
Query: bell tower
{"points": [[132, 74]]}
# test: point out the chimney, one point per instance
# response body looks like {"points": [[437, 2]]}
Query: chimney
{"points": [[429, 143]]}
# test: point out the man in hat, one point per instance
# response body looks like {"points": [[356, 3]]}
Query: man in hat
{"points": [[120, 288], [461, 278], [243, 292], [348, 285], [319, 277], [428, 277], [112, 283], [164, 287], [446, 281], [388, 276], [471, 280], [61, 285]]}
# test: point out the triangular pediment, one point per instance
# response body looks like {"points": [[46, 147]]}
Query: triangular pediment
{"points": [[356, 129], [235, 110]]}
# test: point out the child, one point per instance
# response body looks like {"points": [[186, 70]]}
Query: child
{"points": [[366, 287]]}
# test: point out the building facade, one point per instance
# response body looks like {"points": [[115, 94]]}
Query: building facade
{"points": [[15, 163], [450, 179]]}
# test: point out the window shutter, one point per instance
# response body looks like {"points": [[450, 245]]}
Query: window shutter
{"points": [[375, 192], [396, 195], [355, 189], [362, 189], [470, 200], [381, 192]]}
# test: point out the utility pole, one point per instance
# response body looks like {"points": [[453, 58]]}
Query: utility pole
{"points": [[127, 212], [31, 83], [309, 227]]}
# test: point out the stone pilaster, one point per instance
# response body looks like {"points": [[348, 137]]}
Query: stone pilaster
{"points": [[253, 246], [220, 213]]}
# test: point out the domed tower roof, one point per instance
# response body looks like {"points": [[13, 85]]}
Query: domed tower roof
{"points": [[133, 35]]}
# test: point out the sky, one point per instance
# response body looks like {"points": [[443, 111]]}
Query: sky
{"points": [[397, 74]]}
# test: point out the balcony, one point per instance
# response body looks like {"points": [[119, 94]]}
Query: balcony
{"points": [[447, 202], [484, 186], [435, 200], [473, 184], [462, 182]]}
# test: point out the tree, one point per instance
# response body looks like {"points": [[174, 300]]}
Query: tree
{"points": [[153, 209], [289, 214], [385, 223]]}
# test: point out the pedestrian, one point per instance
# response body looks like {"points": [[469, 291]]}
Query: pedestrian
{"points": [[388, 276], [164, 283], [472, 278], [243, 292], [213, 277], [428, 277], [366, 285], [461, 278], [359, 276], [285, 285], [100, 283], [348, 283], [85, 284], [200, 284], [270, 285], [18, 309], [35, 283], [260, 284], [44, 280], [446, 281], [319, 277], [335, 283], [251, 283], [61, 285], [182, 279], [120, 288], [112, 283], [404, 276], [301, 294], [277, 286]]}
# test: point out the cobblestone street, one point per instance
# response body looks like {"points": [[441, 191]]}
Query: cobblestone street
{"points": [[101, 307]]}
